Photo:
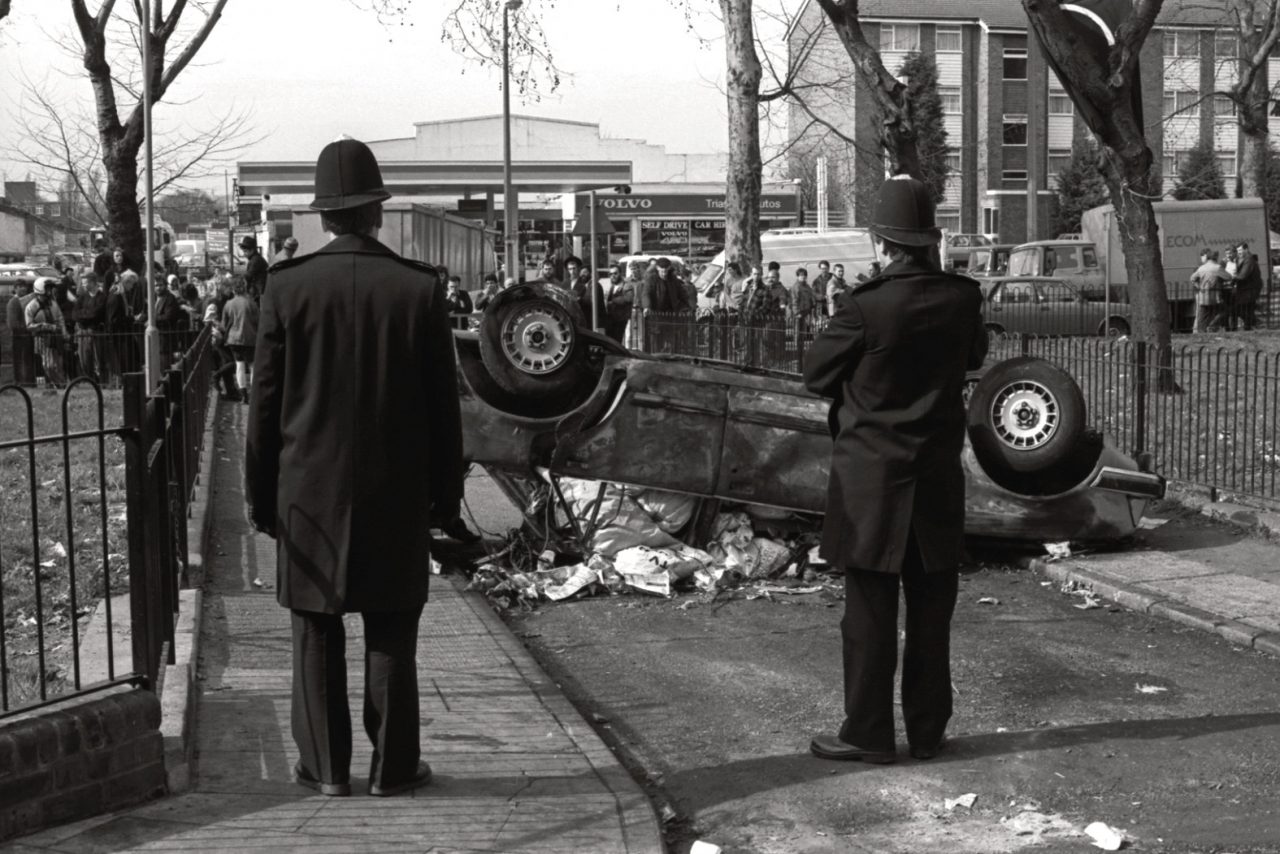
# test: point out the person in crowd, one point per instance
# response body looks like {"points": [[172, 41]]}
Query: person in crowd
{"points": [[488, 290], [126, 312], [1207, 281], [665, 292], [192, 304], [547, 274], [119, 266], [240, 320], [578, 281], [333, 490], [837, 288], [754, 300], [459, 302], [820, 283], [21, 340], [893, 361], [801, 301], [619, 300], [224, 370], [170, 318], [47, 326], [103, 261], [732, 289], [91, 322], [287, 250], [255, 267], [1247, 283]]}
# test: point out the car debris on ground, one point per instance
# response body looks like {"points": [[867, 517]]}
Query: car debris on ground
{"points": [[628, 543]]}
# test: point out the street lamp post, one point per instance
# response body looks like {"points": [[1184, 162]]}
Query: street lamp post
{"points": [[151, 338], [510, 205]]}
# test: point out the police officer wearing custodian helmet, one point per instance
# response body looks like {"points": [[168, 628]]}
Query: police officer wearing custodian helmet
{"points": [[355, 387], [893, 361]]}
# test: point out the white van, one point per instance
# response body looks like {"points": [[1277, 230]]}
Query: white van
{"points": [[798, 247]]}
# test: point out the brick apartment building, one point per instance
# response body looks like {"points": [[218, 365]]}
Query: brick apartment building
{"points": [[1009, 123]]}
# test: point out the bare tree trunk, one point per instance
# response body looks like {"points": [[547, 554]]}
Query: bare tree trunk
{"points": [[1253, 155], [123, 213], [742, 187]]}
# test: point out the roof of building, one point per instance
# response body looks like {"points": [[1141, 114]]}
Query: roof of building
{"points": [[1009, 14]]}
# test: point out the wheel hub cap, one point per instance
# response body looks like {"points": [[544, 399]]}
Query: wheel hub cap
{"points": [[1025, 415], [537, 340]]}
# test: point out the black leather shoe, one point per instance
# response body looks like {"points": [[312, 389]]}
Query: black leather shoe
{"points": [[421, 778], [926, 753], [831, 747], [303, 777]]}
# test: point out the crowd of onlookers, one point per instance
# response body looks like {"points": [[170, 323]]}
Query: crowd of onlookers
{"points": [[90, 321], [1227, 289]]}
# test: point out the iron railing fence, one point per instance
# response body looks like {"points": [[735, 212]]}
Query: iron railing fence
{"points": [[44, 359], [49, 587], [1209, 416]]}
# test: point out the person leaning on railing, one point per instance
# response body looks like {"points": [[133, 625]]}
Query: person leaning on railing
{"points": [[45, 322], [24, 346]]}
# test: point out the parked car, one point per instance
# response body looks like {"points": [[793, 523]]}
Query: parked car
{"points": [[543, 397], [986, 261], [967, 241], [1049, 306], [1070, 260], [11, 274]]}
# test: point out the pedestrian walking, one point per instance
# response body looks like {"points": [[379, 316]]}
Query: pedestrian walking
{"points": [[893, 361], [240, 320], [372, 451], [224, 370]]}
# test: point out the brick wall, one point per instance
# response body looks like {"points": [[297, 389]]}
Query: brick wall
{"points": [[79, 761]]}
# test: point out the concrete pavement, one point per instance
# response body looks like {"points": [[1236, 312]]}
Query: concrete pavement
{"points": [[516, 767], [1205, 565]]}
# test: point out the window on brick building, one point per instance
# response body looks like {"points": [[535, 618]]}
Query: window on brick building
{"points": [[990, 220], [1182, 43], [1015, 65], [1224, 44], [1227, 163], [1223, 106], [1015, 130], [1059, 160], [1014, 175], [949, 40], [953, 162], [1182, 102], [1060, 104], [948, 218], [950, 96], [904, 37]]}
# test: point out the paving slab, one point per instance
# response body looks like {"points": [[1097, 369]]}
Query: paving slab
{"points": [[516, 767]]}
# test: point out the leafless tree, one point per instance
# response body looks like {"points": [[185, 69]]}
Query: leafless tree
{"points": [[62, 142], [109, 38], [1103, 83]]}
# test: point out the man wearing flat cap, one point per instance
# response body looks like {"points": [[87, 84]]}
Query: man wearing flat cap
{"points": [[893, 361], [255, 270], [354, 443]]}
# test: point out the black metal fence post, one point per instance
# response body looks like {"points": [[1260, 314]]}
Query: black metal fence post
{"points": [[1140, 397], [136, 442]]}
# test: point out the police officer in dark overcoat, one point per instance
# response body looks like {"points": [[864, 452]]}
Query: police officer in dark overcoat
{"points": [[354, 445], [893, 360]]}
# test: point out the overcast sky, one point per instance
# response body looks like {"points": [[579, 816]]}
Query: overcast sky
{"points": [[310, 70]]}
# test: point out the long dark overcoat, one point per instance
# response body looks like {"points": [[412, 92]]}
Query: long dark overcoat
{"points": [[354, 426], [893, 359]]}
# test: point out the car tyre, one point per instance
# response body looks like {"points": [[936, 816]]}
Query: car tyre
{"points": [[532, 348], [1026, 415]]}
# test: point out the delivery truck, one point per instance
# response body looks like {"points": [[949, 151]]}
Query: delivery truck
{"points": [[1185, 229]]}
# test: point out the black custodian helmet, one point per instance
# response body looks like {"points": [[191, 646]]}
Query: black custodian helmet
{"points": [[904, 213], [347, 176]]}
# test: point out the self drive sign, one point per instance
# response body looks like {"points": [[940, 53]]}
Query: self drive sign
{"points": [[216, 243]]}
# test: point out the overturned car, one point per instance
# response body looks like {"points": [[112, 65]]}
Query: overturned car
{"points": [[543, 397]]}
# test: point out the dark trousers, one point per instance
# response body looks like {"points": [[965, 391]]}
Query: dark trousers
{"points": [[321, 715], [870, 634]]}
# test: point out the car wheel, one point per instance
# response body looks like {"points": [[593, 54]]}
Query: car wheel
{"points": [[531, 347], [994, 328], [1025, 415], [1119, 327]]}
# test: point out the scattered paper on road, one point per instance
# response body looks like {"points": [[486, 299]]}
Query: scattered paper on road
{"points": [[988, 600], [965, 801], [1105, 837], [1058, 551], [701, 847], [1150, 689], [1089, 600], [1150, 524]]}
